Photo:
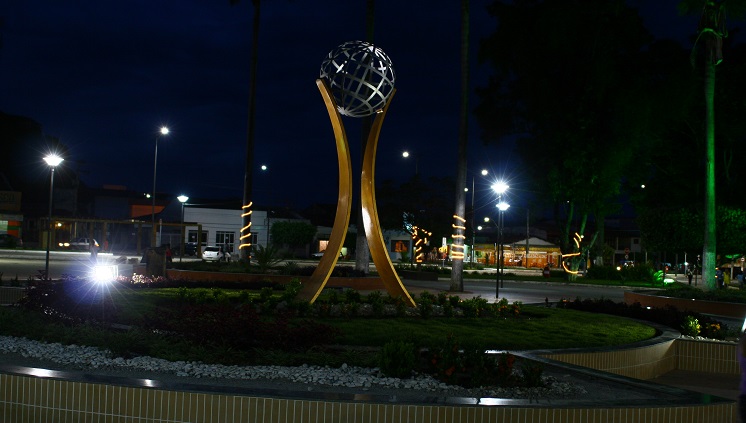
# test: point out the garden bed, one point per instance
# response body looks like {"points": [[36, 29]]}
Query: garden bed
{"points": [[368, 283]]}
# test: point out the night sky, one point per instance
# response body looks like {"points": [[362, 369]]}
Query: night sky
{"points": [[105, 76]]}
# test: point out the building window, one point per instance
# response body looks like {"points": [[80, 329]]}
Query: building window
{"points": [[192, 237], [225, 240]]}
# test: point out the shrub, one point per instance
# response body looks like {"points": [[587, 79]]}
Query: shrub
{"points": [[470, 366], [352, 296], [474, 307], [291, 290], [397, 359], [290, 268], [375, 299], [690, 326], [425, 304], [532, 374], [266, 257], [713, 330]]}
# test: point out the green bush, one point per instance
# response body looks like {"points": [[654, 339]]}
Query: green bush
{"points": [[290, 268], [474, 307], [291, 290], [266, 257], [690, 326], [397, 359], [532, 374], [375, 299], [425, 304], [470, 365]]}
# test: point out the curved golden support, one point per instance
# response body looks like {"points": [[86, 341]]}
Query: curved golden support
{"points": [[373, 232], [315, 284]]}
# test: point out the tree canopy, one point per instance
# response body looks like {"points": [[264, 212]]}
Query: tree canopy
{"points": [[567, 84]]}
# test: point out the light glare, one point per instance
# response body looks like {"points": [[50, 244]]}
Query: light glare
{"points": [[102, 274]]}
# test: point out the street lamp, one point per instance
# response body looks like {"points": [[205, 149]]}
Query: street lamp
{"points": [[501, 206], [53, 161], [182, 199], [163, 131], [497, 255], [500, 187], [406, 154], [473, 229]]}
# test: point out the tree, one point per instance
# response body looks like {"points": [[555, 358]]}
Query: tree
{"points": [[711, 31], [424, 200], [568, 86], [249, 158], [459, 216], [362, 252], [294, 234]]}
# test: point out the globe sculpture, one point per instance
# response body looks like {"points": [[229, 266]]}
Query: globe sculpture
{"points": [[356, 80], [360, 76]]}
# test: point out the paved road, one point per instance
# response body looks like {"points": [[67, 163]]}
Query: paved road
{"points": [[525, 292], [25, 264]]}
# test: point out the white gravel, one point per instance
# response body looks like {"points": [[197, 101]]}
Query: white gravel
{"points": [[91, 359]]}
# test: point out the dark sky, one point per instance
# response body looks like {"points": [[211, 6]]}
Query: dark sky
{"points": [[104, 76]]}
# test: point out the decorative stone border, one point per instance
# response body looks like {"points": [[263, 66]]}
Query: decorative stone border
{"points": [[39, 395]]}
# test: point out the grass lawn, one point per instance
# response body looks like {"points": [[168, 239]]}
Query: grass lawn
{"points": [[535, 328]]}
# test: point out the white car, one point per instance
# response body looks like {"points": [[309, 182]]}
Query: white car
{"points": [[80, 244], [321, 254], [213, 253]]}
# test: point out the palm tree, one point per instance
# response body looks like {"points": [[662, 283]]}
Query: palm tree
{"points": [[249, 159], [711, 32], [457, 268], [362, 253]]}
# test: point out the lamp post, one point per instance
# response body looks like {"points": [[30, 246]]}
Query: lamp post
{"points": [[500, 187], [501, 206], [267, 219], [163, 131], [406, 154], [473, 228], [497, 255], [53, 161], [182, 199]]}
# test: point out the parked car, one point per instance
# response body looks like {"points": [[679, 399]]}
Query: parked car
{"points": [[80, 244], [214, 253], [10, 241], [321, 254], [190, 249]]}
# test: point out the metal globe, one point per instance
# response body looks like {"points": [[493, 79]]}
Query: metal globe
{"points": [[360, 76]]}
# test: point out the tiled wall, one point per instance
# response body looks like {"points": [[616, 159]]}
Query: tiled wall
{"points": [[655, 360], [640, 363], [43, 399], [29, 399], [708, 357]]}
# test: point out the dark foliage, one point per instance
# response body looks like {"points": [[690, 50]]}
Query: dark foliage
{"points": [[241, 327], [669, 316], [71, 301]]}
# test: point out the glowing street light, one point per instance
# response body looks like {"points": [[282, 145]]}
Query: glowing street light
{"points": [[163, 131], [473, 229], [53, 160], [499, 187]]}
